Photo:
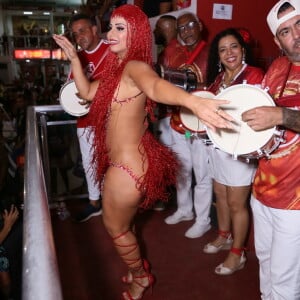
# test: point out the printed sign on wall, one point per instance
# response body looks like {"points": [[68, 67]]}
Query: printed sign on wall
{"points": [[222, 11]]}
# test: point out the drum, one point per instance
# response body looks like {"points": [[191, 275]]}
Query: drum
{"points": [[242, 140], [185, 79], [189, 120], [69, 100]]}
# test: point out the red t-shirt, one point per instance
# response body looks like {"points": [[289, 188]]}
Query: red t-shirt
{"points": [[91, 62], [277, 180], [175, 56]]}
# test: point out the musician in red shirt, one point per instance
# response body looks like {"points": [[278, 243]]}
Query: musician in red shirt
{"points": [[91, 54], [191, 151], [276, 189]]}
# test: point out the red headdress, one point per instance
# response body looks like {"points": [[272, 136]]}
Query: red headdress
{"points": [[139, 43]]}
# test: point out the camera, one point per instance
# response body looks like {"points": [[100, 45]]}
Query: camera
{"points": [[185, 79]]}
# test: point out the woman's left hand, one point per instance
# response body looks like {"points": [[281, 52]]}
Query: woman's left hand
{"points": [[210, 113], [83, 102]]}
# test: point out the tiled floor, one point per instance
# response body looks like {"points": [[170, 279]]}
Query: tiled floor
{"points": [[91, 270]]}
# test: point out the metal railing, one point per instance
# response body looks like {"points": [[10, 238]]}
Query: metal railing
{"points": [[40, 269]]}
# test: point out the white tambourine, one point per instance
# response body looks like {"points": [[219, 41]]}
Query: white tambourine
{"points": [[243, 140], [189, 120], [70, 102]]}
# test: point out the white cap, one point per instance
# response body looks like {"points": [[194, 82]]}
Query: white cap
{"points": [[274, 22]]}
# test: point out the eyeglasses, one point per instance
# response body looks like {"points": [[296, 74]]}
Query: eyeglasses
{"points": [[190, 25]]}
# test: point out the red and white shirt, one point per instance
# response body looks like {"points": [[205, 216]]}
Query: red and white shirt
{"points": [[91, 62], [277, 180]]}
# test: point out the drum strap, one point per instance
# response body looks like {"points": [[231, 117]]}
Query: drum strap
{"points": [[195, 53]]}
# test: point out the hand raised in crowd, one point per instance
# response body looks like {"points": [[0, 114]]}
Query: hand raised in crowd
{"points": [[10, 217]]}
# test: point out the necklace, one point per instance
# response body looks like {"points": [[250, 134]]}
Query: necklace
{"points": [[224, 85]]}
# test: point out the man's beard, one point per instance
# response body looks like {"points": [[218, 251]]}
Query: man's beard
{"points": [[293, 55]]}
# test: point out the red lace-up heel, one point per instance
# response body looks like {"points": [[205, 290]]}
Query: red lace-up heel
{"points": [[210, 248], [138, 269], [128, 279], [136, 279]]}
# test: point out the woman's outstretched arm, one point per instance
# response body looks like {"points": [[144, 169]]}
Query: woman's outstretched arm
{"points": [[208, 110]]}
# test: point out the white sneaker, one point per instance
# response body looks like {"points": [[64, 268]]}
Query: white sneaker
{"points": [[178, 217], [197, 231]]}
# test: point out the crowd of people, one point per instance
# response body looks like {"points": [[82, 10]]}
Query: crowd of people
{"points": [[128, 166], [12, 147], [14, 100]]}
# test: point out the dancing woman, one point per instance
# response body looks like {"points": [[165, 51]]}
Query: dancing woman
{"points": [[131, 165]]}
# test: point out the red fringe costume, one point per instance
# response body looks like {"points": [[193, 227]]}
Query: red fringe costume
{"points": [[163, 167]]}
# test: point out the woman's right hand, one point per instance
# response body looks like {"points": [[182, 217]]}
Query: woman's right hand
{"points": [[66, 46]]}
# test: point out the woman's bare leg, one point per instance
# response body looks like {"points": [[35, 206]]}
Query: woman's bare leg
{"points": [[237, 203], [223, 213], [120, 200]]}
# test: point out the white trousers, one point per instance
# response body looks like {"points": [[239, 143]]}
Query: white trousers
{"points": [[164, 127], [277, 246], [85, 138], [193, 156]]}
